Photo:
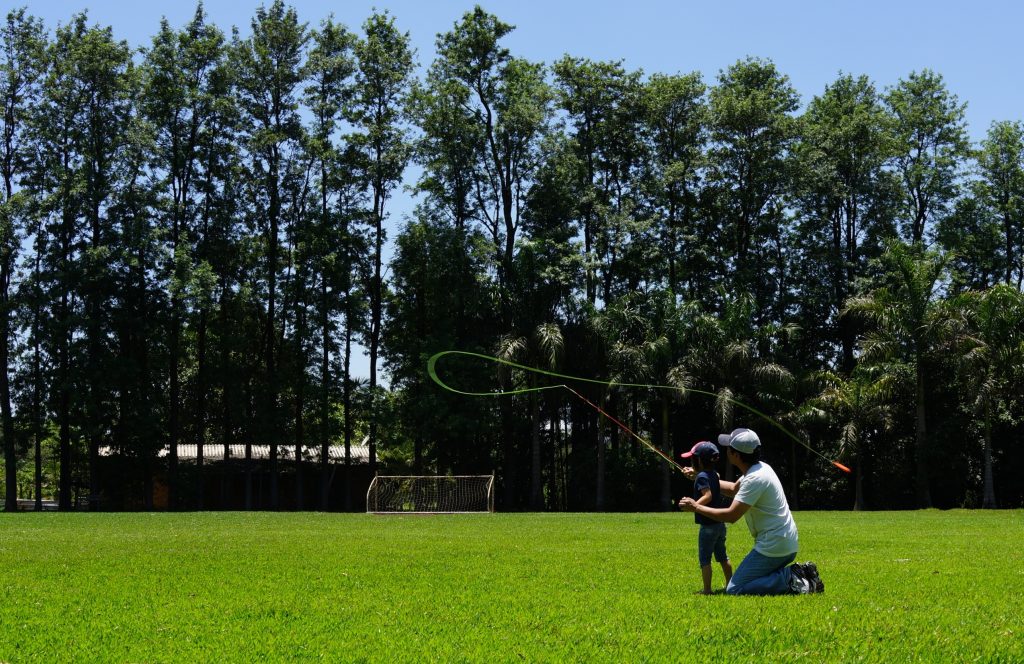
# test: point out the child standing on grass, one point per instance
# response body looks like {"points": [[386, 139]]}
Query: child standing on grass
{"points": [[707, 491]]}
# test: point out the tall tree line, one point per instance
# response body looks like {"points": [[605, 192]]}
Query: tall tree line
{"points": [[193, 241]]}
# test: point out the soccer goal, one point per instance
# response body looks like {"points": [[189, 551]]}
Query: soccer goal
{"points": [[430, 494]]}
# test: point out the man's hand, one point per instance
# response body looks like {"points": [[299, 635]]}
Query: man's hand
{"points": [[688, 505]]}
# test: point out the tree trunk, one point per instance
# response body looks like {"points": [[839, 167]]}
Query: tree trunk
{"points": [[93, 411], [794, 481], [64, 360], [37, 382], [346, 396], [599, 498], [225, 395], [248, 449], [988, 500], [274, 213], [666, 447], [376, 288], [923, 493], [325, 397], [858, 497], [174, 422], [508, 451], [553, 500], [300, 434], [201, 411], [10, 449], [536, 491]]}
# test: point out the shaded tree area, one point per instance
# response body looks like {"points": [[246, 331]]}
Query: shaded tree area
{"points": [[194, 240]]}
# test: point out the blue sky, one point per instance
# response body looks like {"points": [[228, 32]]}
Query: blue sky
{"points": [[977, 47]]}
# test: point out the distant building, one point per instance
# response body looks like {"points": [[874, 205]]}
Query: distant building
{"points": [[221, 483]]}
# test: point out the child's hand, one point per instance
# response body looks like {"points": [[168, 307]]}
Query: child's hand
{"points": [[687, 505], [689, 472]]}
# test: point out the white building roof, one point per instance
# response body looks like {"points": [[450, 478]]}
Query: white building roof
{"points": [[215, 452]]}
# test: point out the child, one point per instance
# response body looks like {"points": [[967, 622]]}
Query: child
{"points": [[706, 491]]}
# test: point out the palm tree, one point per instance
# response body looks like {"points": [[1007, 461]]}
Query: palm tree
{"points": [[993, 346], [548, 345], [510, 348], [860, 404], [906, 321], [633, 330], [543, 349], [734, 358]]}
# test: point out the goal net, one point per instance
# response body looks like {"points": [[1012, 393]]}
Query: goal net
{"points": [[438, 494]]}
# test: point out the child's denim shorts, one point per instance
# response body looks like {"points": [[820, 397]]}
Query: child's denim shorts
{"points": [[711, 539]]}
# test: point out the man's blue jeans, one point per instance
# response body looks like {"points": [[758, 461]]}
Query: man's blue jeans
{"points": [[761, 575]]}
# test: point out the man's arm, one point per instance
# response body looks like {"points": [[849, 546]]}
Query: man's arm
{"points": [[730, 514], [729, 488]]}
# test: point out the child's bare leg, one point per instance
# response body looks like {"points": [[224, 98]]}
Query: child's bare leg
{"points": [[727, 570], [705, 571]]}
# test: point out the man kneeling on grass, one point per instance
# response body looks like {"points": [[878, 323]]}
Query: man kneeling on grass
{"points": [[759, 498]]}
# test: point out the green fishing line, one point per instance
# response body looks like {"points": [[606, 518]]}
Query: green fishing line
{"points": [[432, 371]]}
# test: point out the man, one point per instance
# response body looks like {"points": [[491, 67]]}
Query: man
{"points": [[760, 500]]}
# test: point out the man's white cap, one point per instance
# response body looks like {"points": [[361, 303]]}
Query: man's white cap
{"points": [[741, 440]]}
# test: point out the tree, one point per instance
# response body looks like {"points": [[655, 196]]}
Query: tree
{"points": [[22, 65], [847, 202], [604, 106], [268, 79], [1001, 162], [384, 64], [971, 234], [861, 406], [508, 101], [734, 357], [907, 322], [505, 108], [180, 76], [329, 70], [637, 334], [931, 143], [437, 301], [548, 345], [108, 82], [676, 126], [752, 130], [137, 320], [83, 130], [992, 348], [55, 126], [451, 138]]}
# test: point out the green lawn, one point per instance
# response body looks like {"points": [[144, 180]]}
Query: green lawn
{"points": [[908, 586]]}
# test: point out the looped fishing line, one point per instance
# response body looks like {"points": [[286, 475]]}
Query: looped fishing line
{"points": [[432, 371]]}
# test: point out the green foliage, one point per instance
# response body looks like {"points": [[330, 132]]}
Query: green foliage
{"points": [[848, 204], [1001, 162], [752, 131], [931, 144]]}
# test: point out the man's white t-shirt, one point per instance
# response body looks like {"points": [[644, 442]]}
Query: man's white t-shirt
{"points": [[769, 519]]}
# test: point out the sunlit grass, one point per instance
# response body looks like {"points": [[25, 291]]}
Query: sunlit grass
{"points": [[928, 586]]}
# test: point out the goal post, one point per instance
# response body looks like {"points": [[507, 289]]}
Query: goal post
{"points": [[430, 494]]}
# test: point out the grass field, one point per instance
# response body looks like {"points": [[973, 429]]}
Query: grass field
{"points": [[909, 586]]}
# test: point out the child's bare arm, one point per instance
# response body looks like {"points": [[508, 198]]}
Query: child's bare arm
{"points": [[705, 497]]}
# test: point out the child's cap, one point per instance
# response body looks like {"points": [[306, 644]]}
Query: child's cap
{"points": [[704, 449], [741, 440]]}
